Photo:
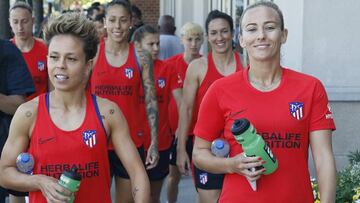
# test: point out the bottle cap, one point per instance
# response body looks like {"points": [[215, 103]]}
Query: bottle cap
{"points": [[72, 174], [239, 126], [219, 144], [25, 157]]}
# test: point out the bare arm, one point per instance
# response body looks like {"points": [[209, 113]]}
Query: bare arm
{"points": [[190, 88], [18, 142], [205, 160], [323, 156], [126, 150], [9, 104], [177, 93], [151, 106]]}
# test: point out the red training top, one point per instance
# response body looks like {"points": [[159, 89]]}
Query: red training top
{"points": [[56, 150], [36, 61], [121, 85], [284, 117], [211, 76]]}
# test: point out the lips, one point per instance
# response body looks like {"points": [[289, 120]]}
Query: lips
{"points": [[61, 77], [261, 46]]}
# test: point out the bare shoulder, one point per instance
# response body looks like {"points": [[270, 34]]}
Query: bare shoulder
{"points": [[28, 109], [198, 66], [106, 107], [26, 114]]}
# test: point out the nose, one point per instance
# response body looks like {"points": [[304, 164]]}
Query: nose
{"points": [[156, 47], [193, 43], [60, 63], [20, 26], [261, 34]]}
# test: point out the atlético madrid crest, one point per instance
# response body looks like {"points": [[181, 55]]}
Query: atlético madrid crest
{"points": [[129, 73], [161, 82], [89, 138], [297, 110], [203, 178], [41, 65]]}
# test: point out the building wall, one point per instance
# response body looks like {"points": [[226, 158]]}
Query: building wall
{"points": [[150, 10]]}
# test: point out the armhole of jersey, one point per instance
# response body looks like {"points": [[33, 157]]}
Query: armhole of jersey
{"points": [[98, 112], [139, 69], [137, 63], [46, 101]]}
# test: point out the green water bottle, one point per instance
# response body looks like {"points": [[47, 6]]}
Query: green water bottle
{"points": [[71, 181], [253, 144]]}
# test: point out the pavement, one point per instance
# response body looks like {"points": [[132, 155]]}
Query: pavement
{"points": [[187, 192]]}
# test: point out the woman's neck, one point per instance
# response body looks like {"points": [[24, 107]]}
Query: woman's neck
{"points": [[189, 57], [25, 45], [113, 47], [68, 99], [265, 76]]}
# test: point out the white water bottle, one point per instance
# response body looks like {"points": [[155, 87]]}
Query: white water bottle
{"points": [[25, 163], [220, 148]]}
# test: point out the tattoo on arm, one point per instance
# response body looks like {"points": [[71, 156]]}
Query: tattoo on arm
{"points": [[112, 111], [103, 117], [28, 114], [135, 190], [150, 97]]}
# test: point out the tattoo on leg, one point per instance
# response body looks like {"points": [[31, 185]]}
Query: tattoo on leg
{"points": [[28, 114]]}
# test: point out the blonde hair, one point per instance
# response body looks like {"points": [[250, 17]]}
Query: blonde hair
{"points": [[190, 28], [76, 25]]}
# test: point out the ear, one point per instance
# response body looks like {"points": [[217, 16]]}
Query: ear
{"points": [[241, 41], [137, 45], [284, 36], [89, 65]]}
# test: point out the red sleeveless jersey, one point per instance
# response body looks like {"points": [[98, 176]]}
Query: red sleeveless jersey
{"points": [[36, 62], [211, 76], [165, 82], [179, 65], [121, 85], [56, 150]]}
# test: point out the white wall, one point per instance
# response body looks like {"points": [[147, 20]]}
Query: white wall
{"points": [[331, 48], [293, 16]]}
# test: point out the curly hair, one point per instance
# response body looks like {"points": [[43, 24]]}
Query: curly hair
{"points": [[76, 25]]}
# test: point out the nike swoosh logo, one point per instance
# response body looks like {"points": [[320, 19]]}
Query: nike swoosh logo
{"points": [[232, 115], [43, 141]]}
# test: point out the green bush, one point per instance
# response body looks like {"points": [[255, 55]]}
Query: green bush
{"points": [[348, 180]]}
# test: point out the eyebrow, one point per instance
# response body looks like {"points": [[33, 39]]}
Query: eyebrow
{"points": [[266, 22]]}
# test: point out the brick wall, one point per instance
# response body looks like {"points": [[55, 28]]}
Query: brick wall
{"points": [[150, 10]]}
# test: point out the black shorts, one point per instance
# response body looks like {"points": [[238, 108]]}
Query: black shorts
{"points": [[161, 170], [117, 168], [207, 181], [189, 148]]}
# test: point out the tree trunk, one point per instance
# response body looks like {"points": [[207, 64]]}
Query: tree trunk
{"points": [[4, 19], [39, 15]]}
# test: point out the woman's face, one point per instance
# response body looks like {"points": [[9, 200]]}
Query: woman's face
{"points": [[117, 23], [192, 43], [261, 34], [67, 64], [21, 23], [220, 35], [151, 43]]}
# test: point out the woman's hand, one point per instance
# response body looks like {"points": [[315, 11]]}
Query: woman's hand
{"points": [[52, 191], [245, 166]]}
